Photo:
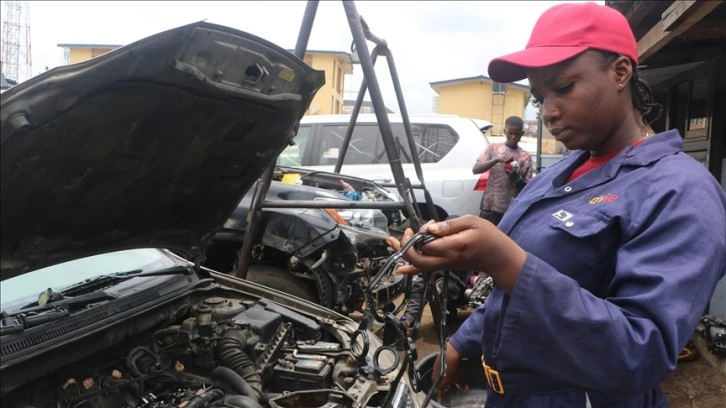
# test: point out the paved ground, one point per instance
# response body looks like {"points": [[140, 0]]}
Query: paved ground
{"points": [[694, 384]]}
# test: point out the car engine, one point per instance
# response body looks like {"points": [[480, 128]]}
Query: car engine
{"points": [[218, 351]]}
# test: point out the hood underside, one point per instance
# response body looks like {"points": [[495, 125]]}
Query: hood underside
{"points": [[150, 145]]}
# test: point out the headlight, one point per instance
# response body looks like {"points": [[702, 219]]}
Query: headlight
{"points": [[365, 218]]}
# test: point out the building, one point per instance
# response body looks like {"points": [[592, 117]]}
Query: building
{"points": [[481, 98], [75, 53], [682, 57], [365, 107], [681, 52], [328, 100]]}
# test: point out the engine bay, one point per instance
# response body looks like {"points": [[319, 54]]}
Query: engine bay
{"points": [[218, 351]]}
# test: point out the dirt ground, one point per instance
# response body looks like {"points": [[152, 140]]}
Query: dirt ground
{"points": [[694, 384]]}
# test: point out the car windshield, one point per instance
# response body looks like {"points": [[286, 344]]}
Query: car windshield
{"points": [[18, 291]]}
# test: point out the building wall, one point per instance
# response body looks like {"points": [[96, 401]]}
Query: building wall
{"points": [[330, 98], [476, 100], [77, 55], [468, 100]]}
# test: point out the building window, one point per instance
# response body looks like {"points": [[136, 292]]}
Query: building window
{"points": [[498, 88], [339, 81]]}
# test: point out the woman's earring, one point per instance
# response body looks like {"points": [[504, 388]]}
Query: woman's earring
{"points": [[620, 85]]}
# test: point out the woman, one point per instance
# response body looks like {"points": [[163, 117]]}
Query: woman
{"points": [[605, 262]]}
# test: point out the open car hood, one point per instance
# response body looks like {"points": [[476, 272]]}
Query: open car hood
{"points": [[150, 145]]}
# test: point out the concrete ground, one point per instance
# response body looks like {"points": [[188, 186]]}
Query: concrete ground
{"points": [[695, 384]]}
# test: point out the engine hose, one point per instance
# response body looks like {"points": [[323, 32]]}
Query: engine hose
{"points": [[137, 353], [196, 381], [240, 401], [232, 378], [202, 400], [169, 332], [231, 353]]}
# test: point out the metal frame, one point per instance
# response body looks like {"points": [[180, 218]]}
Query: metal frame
{"points": [[361, 34]]}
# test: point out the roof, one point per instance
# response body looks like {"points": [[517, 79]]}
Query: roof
{"points": [[675, 32], [105, 46], [339, 53], [365, 104], [347, 57], [477, 78]]}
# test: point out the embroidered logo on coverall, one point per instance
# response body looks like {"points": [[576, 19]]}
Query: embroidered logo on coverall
{"points": [[606, 198]]}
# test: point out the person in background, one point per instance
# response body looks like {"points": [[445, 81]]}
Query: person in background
{"points": [[510, 169], [603, 264]]}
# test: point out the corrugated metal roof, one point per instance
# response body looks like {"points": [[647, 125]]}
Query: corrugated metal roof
{"points": [[472, 79]]}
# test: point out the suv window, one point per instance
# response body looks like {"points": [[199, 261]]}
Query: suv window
{"points": [[292, 155], [433, 142]]}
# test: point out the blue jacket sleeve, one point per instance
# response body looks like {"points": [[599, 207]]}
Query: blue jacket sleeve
{"points": [[628, 341], [467, 339]]}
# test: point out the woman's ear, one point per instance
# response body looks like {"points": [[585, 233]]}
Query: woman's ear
{"points": [[623, 69]]}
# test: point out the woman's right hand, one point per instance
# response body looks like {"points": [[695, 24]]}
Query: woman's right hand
{"points": [[467, 243], [453, 373]]}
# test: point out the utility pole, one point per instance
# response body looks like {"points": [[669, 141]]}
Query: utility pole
{"points": [[15, 44]]}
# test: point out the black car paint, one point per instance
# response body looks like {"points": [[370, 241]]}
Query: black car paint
{"points": [[154, 142]]}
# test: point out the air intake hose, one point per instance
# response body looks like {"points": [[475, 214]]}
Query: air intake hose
{"points": [[231, 353]]}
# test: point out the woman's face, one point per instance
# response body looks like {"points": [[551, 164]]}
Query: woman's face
{"points": [[581, 103]]}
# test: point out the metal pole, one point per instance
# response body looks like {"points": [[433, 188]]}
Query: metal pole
{"points": [[353, 118], [263, 184], [384, 124], [409, 134]]}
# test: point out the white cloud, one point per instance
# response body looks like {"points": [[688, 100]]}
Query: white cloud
{"points": [[429, 40]]}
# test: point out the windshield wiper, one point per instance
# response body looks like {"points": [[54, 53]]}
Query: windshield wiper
{"points": [[59, 304], [114, 278], [89, 290]]}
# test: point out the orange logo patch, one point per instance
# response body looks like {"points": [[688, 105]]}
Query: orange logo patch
{"points": [[607, 198]]}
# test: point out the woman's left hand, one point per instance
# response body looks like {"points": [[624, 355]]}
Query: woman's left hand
{"points": [[466, 243]]}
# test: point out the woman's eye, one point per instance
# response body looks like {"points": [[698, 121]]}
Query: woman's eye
{"points": [[564, 89]]}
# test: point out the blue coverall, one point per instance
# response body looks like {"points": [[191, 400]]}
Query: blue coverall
{"points": [[621, 264]]}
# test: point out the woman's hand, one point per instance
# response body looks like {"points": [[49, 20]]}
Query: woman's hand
{"points": [[466, 243], [453, 373]]}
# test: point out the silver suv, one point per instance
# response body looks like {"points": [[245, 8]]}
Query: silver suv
{"points": [[447, 146]]}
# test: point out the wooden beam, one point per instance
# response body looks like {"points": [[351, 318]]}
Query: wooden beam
{"points": [[638, 11], [678, 19], [675, 57], [675, 12], [706, 30]]}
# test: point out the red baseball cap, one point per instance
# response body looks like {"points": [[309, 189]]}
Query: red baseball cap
{"points": [[564, 31]]}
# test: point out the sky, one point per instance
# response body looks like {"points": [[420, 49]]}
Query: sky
{"points": [[430, 41]]}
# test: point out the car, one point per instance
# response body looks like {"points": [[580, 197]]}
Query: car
{"points": [[116, 174], [446, 145], [325, 255]]}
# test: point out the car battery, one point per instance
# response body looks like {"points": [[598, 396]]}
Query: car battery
{"points": [[301, 374]]}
